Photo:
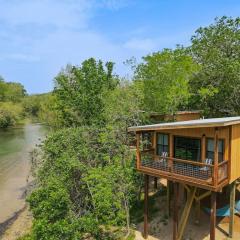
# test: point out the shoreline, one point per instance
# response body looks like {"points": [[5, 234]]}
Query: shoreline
{"points": [[4, 226]]}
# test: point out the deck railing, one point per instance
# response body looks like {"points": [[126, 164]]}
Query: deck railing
{"points": [[197, 171]]}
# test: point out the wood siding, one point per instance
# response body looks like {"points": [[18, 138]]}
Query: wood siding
{"points": [[235, 153]]}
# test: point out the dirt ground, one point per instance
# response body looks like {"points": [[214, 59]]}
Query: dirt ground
{"points": [[159, 231], [19, 227], [160, 228]]}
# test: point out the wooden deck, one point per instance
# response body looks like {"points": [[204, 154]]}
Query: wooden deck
{"points": [[190, 172]]}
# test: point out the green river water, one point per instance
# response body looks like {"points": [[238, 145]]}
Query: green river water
{"points": [[15, 147]]}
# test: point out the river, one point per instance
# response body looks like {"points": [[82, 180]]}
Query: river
{"points": [[15, 147]]}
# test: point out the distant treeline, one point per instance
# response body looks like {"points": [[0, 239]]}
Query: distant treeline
{"points": [[17, 107]]}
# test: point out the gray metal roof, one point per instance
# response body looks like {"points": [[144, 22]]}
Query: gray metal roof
{"points": [[211, 122]]}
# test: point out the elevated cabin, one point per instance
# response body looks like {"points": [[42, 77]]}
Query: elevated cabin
{"points": [[203, 153]]}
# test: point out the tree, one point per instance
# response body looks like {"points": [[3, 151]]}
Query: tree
{"points": [[216, 48], [165, 77], [80, 92], [86, 183]]}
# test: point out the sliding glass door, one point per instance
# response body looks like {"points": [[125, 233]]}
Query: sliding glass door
{"points": [[187, 148]]}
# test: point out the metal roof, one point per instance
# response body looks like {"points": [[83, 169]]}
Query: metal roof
{"points": [[211, 122]]}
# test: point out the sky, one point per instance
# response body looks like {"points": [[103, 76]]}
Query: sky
{"points": [[38, 38]]}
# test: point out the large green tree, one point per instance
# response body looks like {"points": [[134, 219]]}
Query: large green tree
{"points": [[216, 48], [80, 91], [165, 76]]}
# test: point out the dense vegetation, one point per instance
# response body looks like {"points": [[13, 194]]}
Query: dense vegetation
{"points": [[86, 185]]}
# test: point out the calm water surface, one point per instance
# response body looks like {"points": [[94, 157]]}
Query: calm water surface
{"points": [[15, 146]]}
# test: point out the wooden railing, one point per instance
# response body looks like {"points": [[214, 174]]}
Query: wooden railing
{"points": [[186, 169]]}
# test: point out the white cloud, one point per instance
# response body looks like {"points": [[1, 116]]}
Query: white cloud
{"points": [[141, 44]]}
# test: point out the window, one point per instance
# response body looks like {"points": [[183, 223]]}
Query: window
{"points": [[147, 140], [162, 143], [210, 149], [187, 148]]}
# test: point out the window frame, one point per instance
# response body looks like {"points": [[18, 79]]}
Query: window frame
{"points": [[163, 145], [188, 137], [223, 152]]}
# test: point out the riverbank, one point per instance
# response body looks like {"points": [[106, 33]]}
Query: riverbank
{"points": [[18, 226], [15, 147]]}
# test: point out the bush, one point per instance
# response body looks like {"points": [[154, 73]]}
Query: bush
{"points": [[86, 185], [10, 114]]}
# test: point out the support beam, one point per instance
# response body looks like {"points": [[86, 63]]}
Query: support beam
{"points": [[232, 206], [186, 211], [155, 183], [175, 211], [146, 186], [168, 198], [213, 216]]}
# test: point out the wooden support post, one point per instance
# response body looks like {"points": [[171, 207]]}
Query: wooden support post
{"points": [[138, 138], [232, 207], [175, 211], [198, 211], [215, 172], [213, 216], [168, 198], [145, 228], [155, 183]]}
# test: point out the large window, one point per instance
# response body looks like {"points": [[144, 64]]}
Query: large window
{"points": [[210, 149], [187, 148], [162, 143], [147, 140]]}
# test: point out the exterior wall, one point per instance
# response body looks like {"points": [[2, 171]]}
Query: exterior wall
{"points": [[203, 134], [235, 153]]}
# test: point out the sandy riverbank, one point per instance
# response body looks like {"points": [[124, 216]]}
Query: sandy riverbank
{"points": [[18, 226]]}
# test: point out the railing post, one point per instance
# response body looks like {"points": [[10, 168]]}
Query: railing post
{"points": [[215, 172], [138, 150]]}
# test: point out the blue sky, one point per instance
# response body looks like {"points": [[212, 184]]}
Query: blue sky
{"points": [[39, 37]]}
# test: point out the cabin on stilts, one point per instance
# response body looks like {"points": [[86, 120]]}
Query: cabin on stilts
{"points": [[203, 156]]}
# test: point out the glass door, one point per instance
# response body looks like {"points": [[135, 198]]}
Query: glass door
{"points": [[187, 148]]}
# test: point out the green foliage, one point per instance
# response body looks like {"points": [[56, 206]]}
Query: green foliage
{"points": [[86, 180], [80, 92], [216, 48], [165, 77], [10, 91], [10, 114]]}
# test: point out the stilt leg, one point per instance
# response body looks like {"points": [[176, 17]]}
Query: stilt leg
{"points": [[175, 211], [168, 198], [198, 210], [155, 183], [232, 206], [213, 216], [146, 186]]}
